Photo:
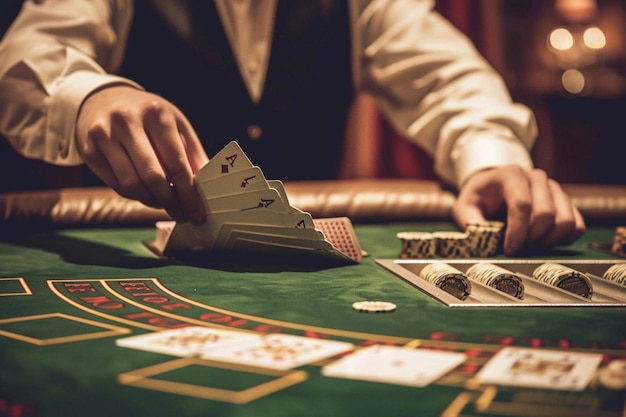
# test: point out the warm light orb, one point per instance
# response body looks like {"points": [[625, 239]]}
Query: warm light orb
{"points": [[573, 81], [594, 38], [561, 39]]}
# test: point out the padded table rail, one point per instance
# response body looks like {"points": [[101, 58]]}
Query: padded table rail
{"points": [[368, 200]]}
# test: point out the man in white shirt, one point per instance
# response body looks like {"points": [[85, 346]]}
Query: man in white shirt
{"points": [[73, 90]]}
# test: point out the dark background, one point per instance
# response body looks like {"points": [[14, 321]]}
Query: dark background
{"points": [[581, 136]]}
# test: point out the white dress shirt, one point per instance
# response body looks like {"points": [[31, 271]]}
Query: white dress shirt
{"points": [[426, 76]]}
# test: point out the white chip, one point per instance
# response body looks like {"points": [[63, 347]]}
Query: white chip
{"points": [[374, 306], [614, 375]]}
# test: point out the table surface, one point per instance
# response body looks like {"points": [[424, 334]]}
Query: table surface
{"points": [[58, 355]]}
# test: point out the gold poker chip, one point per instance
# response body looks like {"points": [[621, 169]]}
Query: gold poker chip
{"points": [[373, 307]]}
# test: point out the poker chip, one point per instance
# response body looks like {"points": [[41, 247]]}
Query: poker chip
{"points": [[484, 239], [417, 245], [479, 240], [616, 274], [452, 244], [374, 306], [613, 376], [447, 278], [619, 241], [565, 278], [497, 277]]}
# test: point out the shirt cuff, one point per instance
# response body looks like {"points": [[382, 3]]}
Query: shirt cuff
{"points": [[65, 103], [483, 152]]}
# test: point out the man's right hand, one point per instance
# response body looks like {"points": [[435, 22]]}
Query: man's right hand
{"points": [[144, 148]]}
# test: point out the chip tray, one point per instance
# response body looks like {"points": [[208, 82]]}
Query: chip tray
{"points": [[536, 293]]}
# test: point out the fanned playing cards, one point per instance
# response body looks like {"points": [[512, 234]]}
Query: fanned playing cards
{"points": [[246, 213]]}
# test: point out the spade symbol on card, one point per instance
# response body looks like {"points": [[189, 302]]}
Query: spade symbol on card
{"points": [[265, 203]]}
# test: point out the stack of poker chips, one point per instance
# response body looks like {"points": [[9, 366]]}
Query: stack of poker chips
{"points": [[452, 244], [484, 238], [497, 277], [563, 277], [616, 274], [480, 240], [447, 278], [417, 245], [455, 282]]}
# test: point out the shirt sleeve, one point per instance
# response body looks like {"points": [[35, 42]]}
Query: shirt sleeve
{"points": [[53, 56], [436, 89]]}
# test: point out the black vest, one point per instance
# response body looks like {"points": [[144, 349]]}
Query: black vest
{"points": [[308, 87]]}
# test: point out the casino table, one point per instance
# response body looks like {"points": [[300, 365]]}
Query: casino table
{"points": [[75, 276]]}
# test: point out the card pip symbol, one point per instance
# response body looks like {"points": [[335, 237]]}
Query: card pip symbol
{"points": [[231, 163], [246, 181], [232, 159], [265, 202]]}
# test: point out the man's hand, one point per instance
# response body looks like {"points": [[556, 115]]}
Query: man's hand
{"points": [[144, 148], [539, 213]]}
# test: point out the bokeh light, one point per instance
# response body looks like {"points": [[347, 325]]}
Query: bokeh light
{"points": [[573, 81], [561, 39], [594, 38]]}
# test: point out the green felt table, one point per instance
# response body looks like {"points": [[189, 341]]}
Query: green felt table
{"points": [[67, 295]]}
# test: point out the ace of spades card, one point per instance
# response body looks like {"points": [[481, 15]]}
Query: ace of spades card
{"points": [[246, 213]]}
